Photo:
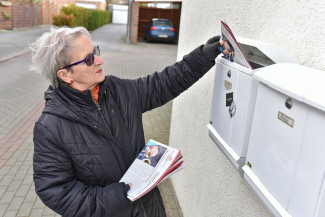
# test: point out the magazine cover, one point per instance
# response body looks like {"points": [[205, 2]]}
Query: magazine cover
{"points": [[155, 163], [231, 48]]}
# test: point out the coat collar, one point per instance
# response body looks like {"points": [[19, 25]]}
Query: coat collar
{"points": [[69, 103], [84, 98]]}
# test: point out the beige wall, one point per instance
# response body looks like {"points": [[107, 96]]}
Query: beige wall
{"points": [[210, 185]]}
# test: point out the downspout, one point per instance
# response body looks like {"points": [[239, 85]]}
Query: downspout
{"points": [[129, 22]]}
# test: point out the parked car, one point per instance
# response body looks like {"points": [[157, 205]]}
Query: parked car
{"points": [[161, 30]]}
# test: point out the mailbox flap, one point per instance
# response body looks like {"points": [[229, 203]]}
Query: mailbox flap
{"points": [[302, 83], [263, 54]]}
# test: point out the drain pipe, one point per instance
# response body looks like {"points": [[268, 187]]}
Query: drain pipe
{"points": [[129, 22]]}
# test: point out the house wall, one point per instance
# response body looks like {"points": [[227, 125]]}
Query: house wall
{"points": [[21, 14], [25, 14], [210, 185], [119, 2], [5, 11]]}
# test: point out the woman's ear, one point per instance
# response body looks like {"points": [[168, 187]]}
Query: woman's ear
{"points": [[64, 75]]}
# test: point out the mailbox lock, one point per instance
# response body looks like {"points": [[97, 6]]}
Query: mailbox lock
{"points": [[288, 103], [229, 73]]}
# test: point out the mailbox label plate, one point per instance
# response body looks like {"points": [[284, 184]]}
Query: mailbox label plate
{"points": [[286, 119], [228, 85]]}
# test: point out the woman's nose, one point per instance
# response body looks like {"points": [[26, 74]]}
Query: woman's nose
{"points": [[98, 60]]}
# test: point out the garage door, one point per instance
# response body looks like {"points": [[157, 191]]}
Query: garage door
{"points": [[120, 14]]}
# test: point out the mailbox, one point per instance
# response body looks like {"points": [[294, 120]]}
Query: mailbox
{"points": [[234, 97], [285, 162]]}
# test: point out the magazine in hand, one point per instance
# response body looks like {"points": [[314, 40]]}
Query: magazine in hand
{"points": [[231, 48], [155, 163]]}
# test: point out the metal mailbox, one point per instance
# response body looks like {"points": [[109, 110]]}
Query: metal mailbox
{"points": [[285, 162], [234, 97]]}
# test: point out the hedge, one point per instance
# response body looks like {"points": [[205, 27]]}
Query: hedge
{"points": [[64, 20], [91, 19]]}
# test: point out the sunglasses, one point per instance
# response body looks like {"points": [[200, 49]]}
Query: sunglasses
{"points": [[89, 60]]}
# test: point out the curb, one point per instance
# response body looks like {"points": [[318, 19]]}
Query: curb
{"points": [[10, 56]]}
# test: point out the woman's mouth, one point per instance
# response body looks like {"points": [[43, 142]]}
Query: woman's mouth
{"points": [[99, 71]]}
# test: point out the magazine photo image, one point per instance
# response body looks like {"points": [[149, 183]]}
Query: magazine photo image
{"points": [[151, 154], [228, 50]]}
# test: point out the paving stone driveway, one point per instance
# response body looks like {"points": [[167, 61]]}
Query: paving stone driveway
{"points": [[21, 100]]}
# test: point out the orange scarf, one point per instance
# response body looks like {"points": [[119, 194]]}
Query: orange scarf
{"points": [[94, 92]]}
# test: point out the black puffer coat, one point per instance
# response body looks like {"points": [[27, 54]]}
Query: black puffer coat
{"points": [[82, 150]]}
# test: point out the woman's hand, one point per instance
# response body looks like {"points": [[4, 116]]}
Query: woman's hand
{"points": [[211, 48]]}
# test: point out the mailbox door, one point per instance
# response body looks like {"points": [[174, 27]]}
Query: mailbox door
{"points": [[229, 105], [275, 141], [308, 192], [240, 119], [223, 87]]}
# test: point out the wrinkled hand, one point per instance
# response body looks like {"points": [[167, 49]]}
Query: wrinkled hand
{"points": [[211, 48]]}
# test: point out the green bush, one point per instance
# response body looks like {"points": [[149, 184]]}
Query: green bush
{"points": [[89, 18], [64, 20]]}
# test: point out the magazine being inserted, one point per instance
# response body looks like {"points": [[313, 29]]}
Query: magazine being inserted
{"points": [[155, 163], [231, 48]]}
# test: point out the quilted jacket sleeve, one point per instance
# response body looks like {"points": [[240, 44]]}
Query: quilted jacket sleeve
{"points": [[160, 87], [57, 187]]}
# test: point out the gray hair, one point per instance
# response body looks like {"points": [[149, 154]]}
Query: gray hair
{"points": [[50, 50]]}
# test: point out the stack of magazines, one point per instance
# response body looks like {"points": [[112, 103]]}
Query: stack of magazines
{"points": [[155, 163]]}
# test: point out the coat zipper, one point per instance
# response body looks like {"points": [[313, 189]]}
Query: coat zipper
{"points": [[101, 114], [106, 125]]}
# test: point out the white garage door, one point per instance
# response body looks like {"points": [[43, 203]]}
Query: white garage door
{"points": [[120, 14]]}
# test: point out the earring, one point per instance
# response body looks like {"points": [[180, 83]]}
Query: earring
{"points": [[71, 82]]}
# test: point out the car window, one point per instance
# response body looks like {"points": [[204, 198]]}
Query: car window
{"points": [[163, 23]]}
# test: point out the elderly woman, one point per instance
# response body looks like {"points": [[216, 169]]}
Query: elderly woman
{"points": [[91, 129]]}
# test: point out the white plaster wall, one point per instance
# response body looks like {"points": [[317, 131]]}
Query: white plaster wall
{"points": [[210, 186]]}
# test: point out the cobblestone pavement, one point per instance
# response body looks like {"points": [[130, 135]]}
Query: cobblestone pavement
{"points": [[14, 43], [21, 100]]}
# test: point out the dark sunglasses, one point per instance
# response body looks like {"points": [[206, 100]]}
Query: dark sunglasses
{"points": [[89, 60]]}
